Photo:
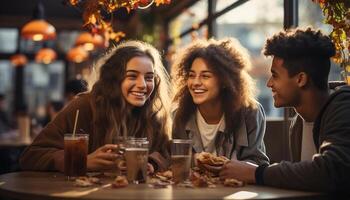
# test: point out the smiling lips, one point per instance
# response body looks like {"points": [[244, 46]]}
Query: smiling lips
{"points": [[198, 91], [139, 95], [274, 93]]}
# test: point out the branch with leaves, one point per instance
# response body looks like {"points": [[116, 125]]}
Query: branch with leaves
{"points": [[337, 13], [93, 17]]}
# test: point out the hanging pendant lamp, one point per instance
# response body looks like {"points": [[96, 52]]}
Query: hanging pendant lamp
{"points": [[45, 56], [18, 60], [77, 54], [89, 41], [38, 29]]}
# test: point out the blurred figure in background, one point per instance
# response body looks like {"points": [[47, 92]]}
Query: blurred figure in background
{"points": [[5, 124], [74, 87]]}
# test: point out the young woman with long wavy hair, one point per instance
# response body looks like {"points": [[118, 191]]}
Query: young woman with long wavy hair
{"points": [[130, 98]]}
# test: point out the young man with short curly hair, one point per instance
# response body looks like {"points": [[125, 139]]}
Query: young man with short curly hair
{"points": [[320, 133]]}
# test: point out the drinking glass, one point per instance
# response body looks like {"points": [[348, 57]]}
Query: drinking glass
{"points": [[136, 156], [181, 154], [75, 154]]}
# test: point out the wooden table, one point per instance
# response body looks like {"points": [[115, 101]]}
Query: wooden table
{"points": [[46, 185]]}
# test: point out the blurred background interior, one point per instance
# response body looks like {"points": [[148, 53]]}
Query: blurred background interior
{"points": [[36, 72]]}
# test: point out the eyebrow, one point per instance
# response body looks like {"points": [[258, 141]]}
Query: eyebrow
{"points": [[135, 71], [206, 71]]}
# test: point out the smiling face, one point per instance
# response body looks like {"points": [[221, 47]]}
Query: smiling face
{"points": [[202, 83], [285, 90], [138, 83]]}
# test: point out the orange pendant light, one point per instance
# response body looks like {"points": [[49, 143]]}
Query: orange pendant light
{"points": [[89, 41], [45, 56], [38, 29], [77, 54], [18, 60]]}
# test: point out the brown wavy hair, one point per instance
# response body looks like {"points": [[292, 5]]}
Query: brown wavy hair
{"points": [[229, 61], [113, 115]]}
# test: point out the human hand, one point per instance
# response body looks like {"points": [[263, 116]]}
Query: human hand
{"points": [[103, 158], [211, 168], [240, 170], [150, 168]]}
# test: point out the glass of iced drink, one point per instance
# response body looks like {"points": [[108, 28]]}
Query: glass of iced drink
{"points": [[181, 154], [136, 156], [75, 154]]}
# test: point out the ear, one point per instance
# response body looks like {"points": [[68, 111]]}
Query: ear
{"points": [[302, 79]]}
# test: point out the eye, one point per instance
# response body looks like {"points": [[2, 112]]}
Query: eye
{"points": [[149, 77], [191, 75], [131, 76], [205, 76]]}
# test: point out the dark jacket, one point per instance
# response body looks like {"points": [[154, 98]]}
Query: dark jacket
{"points": [[48, 145], [329, 169]]}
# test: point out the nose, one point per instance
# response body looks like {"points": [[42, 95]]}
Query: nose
{"points": [[141, 82], [269, 83], [197, 80]]}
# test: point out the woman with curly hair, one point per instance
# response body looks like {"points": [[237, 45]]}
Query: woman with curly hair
{"points": [[130, 98], [215, 101]]}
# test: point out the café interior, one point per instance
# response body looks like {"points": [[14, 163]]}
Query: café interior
{"points": [[35, 69]]}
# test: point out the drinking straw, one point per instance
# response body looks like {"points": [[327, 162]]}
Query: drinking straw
{"points": [[75, 122]]}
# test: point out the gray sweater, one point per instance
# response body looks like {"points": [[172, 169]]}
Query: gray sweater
{"points": [[329, 170]]}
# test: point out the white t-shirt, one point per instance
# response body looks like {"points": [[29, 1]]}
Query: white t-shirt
{"points": [[308, 148], [208, 132]]}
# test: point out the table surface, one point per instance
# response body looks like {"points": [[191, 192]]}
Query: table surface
{"points": [[50, 185]]}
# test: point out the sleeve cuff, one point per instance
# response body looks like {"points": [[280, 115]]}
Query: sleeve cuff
{"points": [[259, 174]]}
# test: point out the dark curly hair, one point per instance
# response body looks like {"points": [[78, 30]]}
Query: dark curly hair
{"points": [[303, 50], [230, 62]]}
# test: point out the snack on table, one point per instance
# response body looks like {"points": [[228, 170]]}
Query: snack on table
{"points": [[120, 182], [231, 182], [210, 159], [85, 181], [166, 175]]}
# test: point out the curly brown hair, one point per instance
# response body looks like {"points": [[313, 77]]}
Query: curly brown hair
{"points": [[303, 50], [229, 61], [114, 116]]}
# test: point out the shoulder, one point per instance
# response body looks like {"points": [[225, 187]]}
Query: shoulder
{"points": [[340, 99], [82, 102], [335, 113], [341, 94], [256, 112]]}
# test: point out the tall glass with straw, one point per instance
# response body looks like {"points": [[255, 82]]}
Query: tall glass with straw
{"points": [[75, 152]]}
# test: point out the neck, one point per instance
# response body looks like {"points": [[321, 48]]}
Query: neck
{"points": [[211, 112], [311, 104]]}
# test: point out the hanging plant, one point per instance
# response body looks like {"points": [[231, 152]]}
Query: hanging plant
{"points": [[93, 17], [337, 13]]}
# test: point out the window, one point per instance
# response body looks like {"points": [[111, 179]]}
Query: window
{"points": [[188, 18], [251, 25], [8, 40], [6, 83], [310, 14]]}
